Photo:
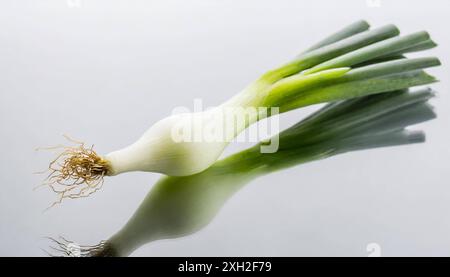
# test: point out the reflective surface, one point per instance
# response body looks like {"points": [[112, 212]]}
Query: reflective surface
{"points": [[103, 71]]}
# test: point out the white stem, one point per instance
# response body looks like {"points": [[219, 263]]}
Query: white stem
{"points": [[185, 144]]}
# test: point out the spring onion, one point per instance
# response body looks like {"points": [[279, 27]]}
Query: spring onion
{"points": [[353, 62]]}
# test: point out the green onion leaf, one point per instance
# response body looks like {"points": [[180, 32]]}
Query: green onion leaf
{"points": [[382, 48], [352, 29]]}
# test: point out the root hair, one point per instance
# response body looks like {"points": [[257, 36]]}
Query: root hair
{"points": [[77, 171], [62, 247]]}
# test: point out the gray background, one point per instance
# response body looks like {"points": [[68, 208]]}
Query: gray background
{"points": [[103, 71]]}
